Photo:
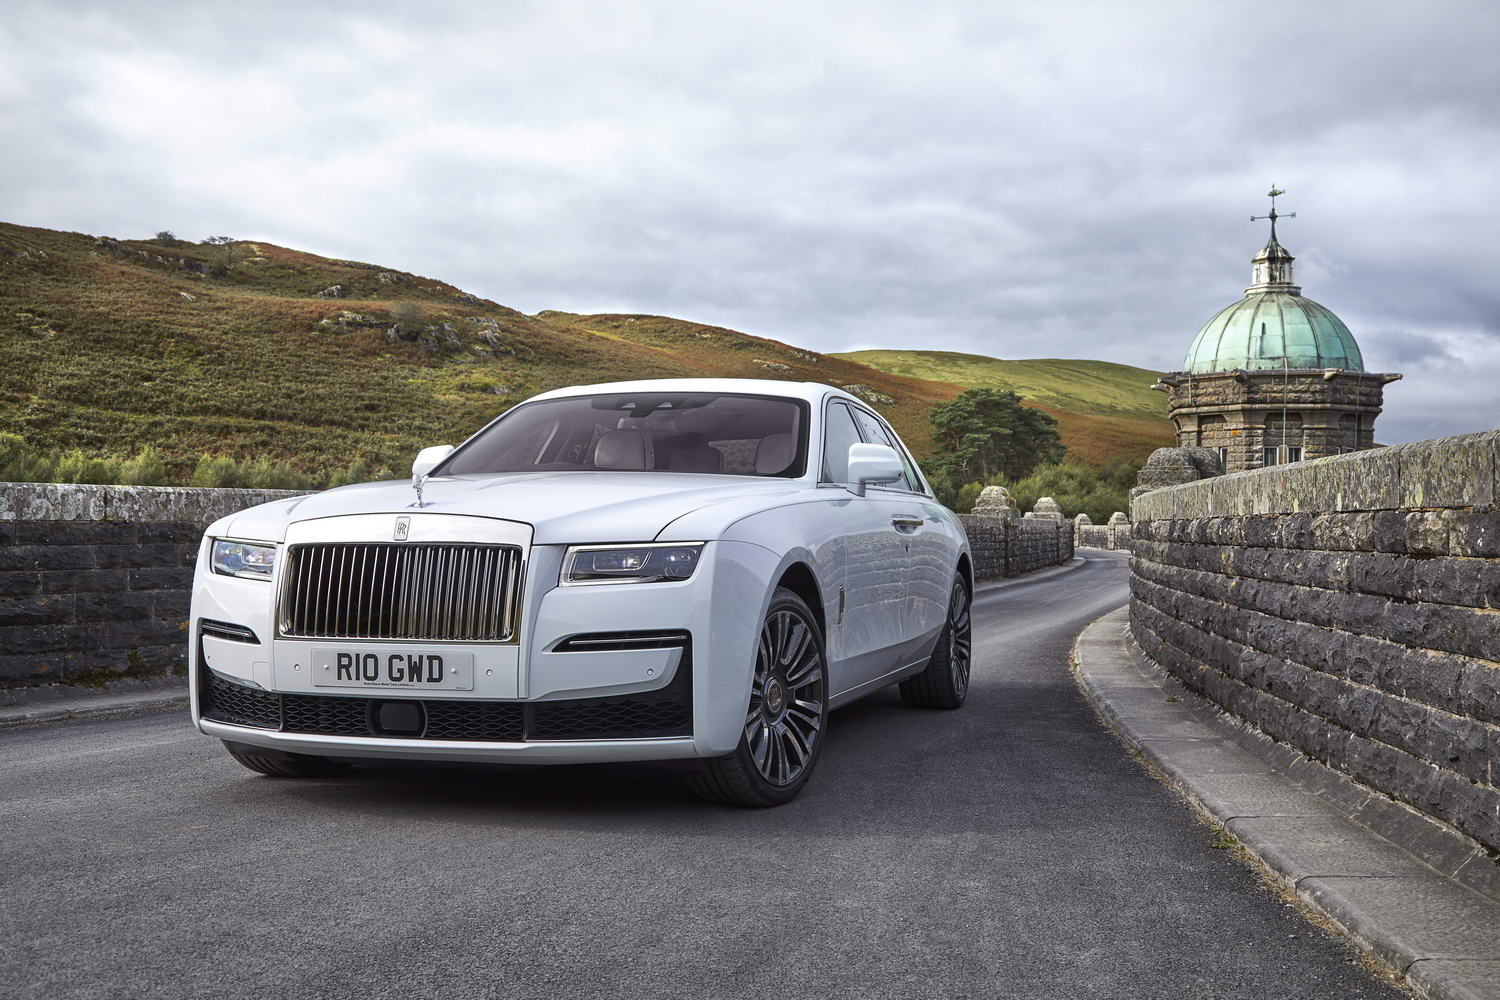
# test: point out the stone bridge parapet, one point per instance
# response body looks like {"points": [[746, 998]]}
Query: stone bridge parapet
{"points": [[95, 580], [1348, 607]]}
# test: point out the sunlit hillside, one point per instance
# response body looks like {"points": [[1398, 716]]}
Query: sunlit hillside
{"points": [[1104, 410], [259, 351]]}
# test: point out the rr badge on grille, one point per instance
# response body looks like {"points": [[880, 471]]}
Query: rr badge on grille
{"points": [[403, 528]]}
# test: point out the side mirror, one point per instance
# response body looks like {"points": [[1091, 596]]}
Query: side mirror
{"points": [[872, 463], [429, 459]]}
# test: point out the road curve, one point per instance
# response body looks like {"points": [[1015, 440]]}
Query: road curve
{"points": [[1011, 849]]}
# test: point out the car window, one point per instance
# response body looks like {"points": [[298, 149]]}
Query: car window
{"points": [[838, 435], [875, 433]]}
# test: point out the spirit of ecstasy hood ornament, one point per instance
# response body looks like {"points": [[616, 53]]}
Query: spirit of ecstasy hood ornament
{"points": [[417, 484]]}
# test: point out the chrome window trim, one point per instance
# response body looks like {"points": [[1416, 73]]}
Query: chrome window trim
{"points": [[854, 404]]}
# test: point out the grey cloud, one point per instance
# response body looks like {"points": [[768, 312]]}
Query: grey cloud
{"points": [[1394, 349], [1069, 180]]}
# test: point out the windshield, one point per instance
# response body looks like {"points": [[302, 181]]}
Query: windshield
{"points": [[723, 434]]}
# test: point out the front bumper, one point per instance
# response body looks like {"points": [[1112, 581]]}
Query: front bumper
{"points": [[562, 752], [652, 724], [717, 612]]}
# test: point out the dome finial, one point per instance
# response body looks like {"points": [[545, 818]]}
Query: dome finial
{"points": [[1273, 216]]}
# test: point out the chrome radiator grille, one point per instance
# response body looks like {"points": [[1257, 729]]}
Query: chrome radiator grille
{"points": [[380, 590]]}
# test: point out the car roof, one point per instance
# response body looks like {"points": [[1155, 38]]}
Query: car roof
{"points": [[810, 391]]}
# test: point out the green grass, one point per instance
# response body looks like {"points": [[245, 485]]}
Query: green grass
{"points": [[1106, 411]]}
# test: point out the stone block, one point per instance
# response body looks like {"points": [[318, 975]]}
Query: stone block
{"points": [[114, 606], [75, 533], [47, 557], [83, 581], [1479, 690], [159, 578], [20, 582], [143, 631], [1456, 471], [17, 613]]}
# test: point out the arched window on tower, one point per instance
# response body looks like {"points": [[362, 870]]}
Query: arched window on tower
{"points": [[1283, 438], [1214, 433]]}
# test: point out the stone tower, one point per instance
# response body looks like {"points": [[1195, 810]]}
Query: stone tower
{"points": [[1274, 377]]}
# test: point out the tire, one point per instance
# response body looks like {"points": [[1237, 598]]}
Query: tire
{"points": [[945, 681], [787, 718], [279, 764]]}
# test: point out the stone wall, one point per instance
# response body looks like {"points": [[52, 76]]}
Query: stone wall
{"points": [[1349, 607], [1011, 546], [1114, 535], [95, 580]]}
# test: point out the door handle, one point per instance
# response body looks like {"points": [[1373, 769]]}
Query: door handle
{"points": [[906, 522]]}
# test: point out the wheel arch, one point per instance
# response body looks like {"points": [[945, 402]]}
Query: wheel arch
{"points": [[966, 570], [799, 578]]}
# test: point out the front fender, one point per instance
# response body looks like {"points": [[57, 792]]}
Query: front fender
{"points": [[744, 577]]}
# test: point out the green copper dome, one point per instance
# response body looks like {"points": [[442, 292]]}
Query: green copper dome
{"points": [[1273, 326], [1273, 330]]}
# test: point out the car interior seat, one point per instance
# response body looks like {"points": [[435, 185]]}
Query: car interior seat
{"points": [[624, 450], [774, 453], [691, 453]]}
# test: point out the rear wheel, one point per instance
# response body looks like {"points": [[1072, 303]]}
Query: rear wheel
{"points": [[279, 764], [945, 682], [783, 733]]}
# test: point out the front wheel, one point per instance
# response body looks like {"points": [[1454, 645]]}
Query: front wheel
{"points": [[945, 681], [788, 713]]}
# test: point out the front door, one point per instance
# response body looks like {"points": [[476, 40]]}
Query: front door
{"points": [[877, 562]]}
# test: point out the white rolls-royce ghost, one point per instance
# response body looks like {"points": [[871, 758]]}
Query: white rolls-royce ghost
{"points": [[690, 569]]}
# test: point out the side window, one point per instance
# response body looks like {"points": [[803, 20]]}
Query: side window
{"points": [[875, 433], [839, 433]]}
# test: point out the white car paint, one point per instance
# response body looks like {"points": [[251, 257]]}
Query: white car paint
{"points": [[891, 581]]}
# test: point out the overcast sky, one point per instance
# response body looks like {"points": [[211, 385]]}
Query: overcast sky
{"points": [[1037, 180]]}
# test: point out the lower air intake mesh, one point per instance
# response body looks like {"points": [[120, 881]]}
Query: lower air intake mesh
{"points": [[662, 713]]}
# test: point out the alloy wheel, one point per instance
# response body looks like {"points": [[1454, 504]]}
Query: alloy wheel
{"points": [[960, 637], [786, 699]]}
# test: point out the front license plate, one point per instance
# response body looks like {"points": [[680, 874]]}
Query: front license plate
{"points": [[408, 670]]}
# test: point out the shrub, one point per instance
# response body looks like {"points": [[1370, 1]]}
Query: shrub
{"points": [[13, 464], [76, 467], [215, 472], [409, 317], [146, 468]]}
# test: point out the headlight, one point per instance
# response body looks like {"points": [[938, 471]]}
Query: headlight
{"points": [[253, 562], [630, 563]]}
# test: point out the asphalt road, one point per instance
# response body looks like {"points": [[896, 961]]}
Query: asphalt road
{"points": [[1011, 849]]}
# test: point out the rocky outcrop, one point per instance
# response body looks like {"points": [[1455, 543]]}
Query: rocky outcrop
{"points": [[871, 396]]}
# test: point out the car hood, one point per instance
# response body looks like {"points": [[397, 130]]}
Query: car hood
{"points": [[561, 507]]}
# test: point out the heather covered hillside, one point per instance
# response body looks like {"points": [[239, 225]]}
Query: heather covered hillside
{"points": [[109, 346], [254, 353]]}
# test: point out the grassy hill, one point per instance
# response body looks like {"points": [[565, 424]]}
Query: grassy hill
{"points": [[108, 346], [259, 351], [1104, 410]]}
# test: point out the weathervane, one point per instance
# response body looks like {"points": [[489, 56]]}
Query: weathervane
{"points": [[1273, 216]]}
